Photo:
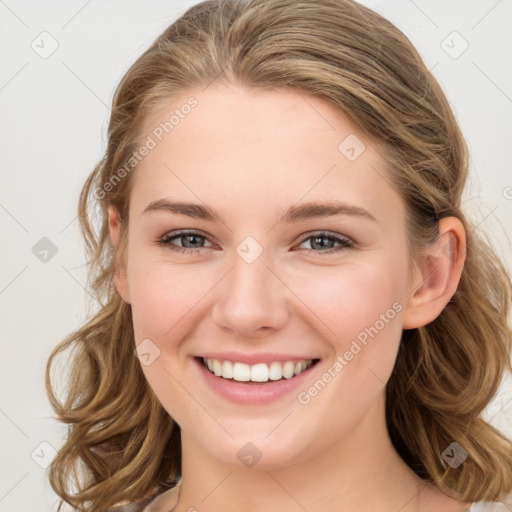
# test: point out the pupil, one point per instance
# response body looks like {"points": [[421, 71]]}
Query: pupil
{"points": [[192, 237], [315, 240]]}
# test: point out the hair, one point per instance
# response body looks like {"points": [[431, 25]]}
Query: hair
{"points": [[122, 446]]}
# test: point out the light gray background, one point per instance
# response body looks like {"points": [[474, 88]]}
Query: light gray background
{"points": [[54, 115]]}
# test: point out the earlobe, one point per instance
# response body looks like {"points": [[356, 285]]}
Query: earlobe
{"points": [[120, 278], [438, 275]]}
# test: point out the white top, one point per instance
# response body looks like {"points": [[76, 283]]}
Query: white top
{"points": [[481, 506], [488, 506], [170, 498]]}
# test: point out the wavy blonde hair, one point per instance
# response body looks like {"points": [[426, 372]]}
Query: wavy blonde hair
{"points": [[122, 446]]}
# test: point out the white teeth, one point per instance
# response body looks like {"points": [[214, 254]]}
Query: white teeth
{"points": [[275, 371], [260, 372], [241, 372], [217, 367], [227, 369], [288, 369]]}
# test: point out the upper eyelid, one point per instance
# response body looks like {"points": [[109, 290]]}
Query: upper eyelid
{"points": [[184, 232], [320, 232], [303, 237]]}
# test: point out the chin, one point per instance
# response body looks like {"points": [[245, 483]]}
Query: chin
{"points": [[263, 451]]}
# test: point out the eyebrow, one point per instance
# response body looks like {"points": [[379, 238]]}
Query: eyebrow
{"points": [[295, 213]]}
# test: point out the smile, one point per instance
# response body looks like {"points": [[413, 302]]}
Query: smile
{"points": [[253, 379], [260, 372]]}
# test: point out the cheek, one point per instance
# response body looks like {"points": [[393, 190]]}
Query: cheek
{"points": [[165, 299], [360, 308], [347, 299], [162, 295], [169, 301]]}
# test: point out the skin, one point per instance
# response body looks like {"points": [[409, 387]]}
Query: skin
{"points": [[250, 155]]}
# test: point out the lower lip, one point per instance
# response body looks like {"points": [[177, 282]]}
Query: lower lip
{"points": [[255, 393]]}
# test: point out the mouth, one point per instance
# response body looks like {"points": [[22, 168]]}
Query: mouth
{"points": [[259, 373], [253, 384]]}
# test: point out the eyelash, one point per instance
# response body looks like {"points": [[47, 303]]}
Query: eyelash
{"points": [[165, 241]]}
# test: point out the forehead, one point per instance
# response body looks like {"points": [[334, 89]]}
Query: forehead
{"points": [[238, 148]]}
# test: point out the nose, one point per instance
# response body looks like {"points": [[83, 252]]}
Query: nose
{"points": [[251, 300]]}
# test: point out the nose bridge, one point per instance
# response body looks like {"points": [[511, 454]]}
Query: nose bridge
{"points": [[251, 296]]}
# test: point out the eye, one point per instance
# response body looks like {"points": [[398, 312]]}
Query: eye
{"points": [[324, 240], [191, 241]]}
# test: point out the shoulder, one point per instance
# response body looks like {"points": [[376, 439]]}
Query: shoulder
{"points": [[155, 504], [163, 503], [490, 506], [132, 507]]}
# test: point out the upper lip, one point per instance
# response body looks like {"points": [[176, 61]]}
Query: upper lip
{"points": [[265, 357]]}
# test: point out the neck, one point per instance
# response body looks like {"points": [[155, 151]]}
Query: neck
{"points": [[362, 471]]}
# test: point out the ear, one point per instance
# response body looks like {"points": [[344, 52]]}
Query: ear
{"points": [[120, 275], [436, 278]]}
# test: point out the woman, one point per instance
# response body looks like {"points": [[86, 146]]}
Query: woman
{"points": [[297, 314]]}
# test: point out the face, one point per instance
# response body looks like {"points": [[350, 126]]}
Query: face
{"points": [[315, 294]]}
